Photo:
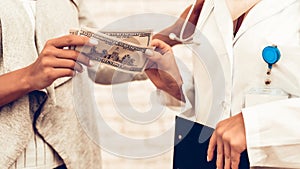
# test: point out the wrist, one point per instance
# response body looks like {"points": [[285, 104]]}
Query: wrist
{"points": [[26, 81], [176, 91]]}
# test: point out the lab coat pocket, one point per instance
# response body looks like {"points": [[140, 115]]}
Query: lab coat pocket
{"points": [[285, 74]]}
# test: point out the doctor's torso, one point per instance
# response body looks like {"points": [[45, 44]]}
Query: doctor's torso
{"points": [[267, 23], [281, 28]]}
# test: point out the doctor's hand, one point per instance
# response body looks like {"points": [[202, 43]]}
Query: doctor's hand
{"points": [[162, 69], [230, 140]]}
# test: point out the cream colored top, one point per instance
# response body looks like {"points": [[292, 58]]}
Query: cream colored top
{"points": [[38, 154]]}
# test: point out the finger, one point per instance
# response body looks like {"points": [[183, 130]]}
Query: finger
{"points": [[235, 159], [161, 45], [227, 154], [220, 153], [151, 65], [84, 60], [153, 55], [70, 40], [61, 72], [78, 67], [73, 55], [211, 147], [67, 63]]}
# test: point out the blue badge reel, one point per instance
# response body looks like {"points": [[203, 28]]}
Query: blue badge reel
{"points": [[271, 55], [265, 93]]}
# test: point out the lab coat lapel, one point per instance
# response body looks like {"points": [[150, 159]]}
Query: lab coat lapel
{"points": [[225, 25], [209, 6], [260, 12]]}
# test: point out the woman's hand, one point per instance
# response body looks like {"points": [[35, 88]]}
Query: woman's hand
{"points": [[230, 140], [162, 69], [55, 62]]}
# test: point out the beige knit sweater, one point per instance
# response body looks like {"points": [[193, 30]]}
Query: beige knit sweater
{"points": [[58, 122]]}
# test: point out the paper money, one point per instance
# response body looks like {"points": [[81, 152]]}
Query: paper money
{"points": [[121, 50], [142, 38]]}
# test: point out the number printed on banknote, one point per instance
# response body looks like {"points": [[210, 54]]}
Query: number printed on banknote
{"points": [[123, 51]]}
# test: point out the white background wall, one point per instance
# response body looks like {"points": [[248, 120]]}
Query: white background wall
{"points": [[105, 12]]}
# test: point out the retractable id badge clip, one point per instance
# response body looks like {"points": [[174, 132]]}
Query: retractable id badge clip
{"points": [[259, 95]]}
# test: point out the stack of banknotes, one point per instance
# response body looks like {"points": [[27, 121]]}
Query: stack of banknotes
{"points": [[123, 51]]}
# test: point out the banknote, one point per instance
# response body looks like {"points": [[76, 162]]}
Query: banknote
{"points": [[123, 51], [138, 37]]}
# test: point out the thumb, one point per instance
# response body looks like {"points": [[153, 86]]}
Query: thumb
{"points": [[153, 55]]}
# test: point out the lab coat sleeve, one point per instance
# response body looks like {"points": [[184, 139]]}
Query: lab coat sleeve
{"points": [[272, 133]]}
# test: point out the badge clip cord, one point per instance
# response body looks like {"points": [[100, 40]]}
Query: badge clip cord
{"points": [[271, 55]]}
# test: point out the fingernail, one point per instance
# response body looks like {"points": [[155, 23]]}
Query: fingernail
{"points": [[93, 41], [149, 52], [207, 158]]}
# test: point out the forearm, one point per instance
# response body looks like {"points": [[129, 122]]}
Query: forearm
{"points": [[176, 92], [175, 29], [13, 86], [173, 83], [172, 102], [177, 26]]}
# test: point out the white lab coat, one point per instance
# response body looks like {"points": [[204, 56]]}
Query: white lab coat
{"points": [[272, 129]]}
